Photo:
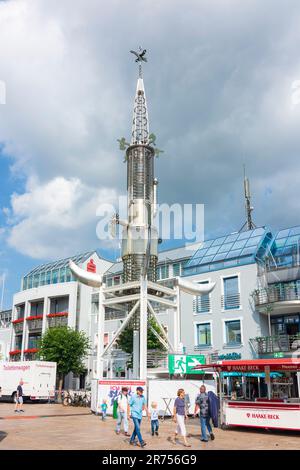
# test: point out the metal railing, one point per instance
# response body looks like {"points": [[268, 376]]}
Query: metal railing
{"points": [[230, 301], [18, 327], [57, 321], [35, 325], [201, 304], [277, 293], [273, 344]]}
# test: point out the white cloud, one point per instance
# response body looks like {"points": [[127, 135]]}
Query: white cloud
{"points": [[57, 218]]}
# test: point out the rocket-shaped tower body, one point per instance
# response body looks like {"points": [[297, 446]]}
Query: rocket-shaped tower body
{"points": [[139, 240]]}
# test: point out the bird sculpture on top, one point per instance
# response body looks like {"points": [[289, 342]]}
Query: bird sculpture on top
{"points": [[140, 55]]}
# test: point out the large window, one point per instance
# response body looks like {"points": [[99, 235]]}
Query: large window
{"points": [[231, 297], [33, 341], [201, 303], [203, 336], [233, 332], [176, 269]]}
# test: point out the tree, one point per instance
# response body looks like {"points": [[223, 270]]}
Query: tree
{"points": [[125, 341], [68, 348]]}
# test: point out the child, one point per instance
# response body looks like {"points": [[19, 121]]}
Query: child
{"points": [[104, 409], [154, 419], [179, 415]]}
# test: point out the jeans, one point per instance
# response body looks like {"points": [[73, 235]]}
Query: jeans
{"points": [[136, 431], [103, 415], [122, 416], [205, 423], [154, 425]]}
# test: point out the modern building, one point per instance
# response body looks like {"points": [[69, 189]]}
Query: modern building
{"points": [[50, 296], [254, 310]]}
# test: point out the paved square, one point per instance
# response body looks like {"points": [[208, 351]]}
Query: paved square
{"points": [[52, 426]]}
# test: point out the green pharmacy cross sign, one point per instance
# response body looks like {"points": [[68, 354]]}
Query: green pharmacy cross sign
{"points": [[184, 364]]}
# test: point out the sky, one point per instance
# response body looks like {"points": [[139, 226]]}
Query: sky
{"points": [[223, 89]]}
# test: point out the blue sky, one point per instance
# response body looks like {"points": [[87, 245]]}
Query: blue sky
{"points": [[223, 89]]}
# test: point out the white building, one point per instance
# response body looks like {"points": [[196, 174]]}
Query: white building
{"points": [[254, 310]]}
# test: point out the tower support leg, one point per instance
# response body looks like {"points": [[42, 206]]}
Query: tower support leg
{"points": [[143, 329], [136, 354]]}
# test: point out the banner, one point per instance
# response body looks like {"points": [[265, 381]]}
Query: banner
{"points": [[109, 390]]}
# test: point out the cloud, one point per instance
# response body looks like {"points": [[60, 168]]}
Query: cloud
{"points": [[222, 89], [57, 218]]}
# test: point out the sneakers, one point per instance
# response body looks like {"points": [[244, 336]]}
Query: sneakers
{"points": [[152, 433], [212, 436], [203, 440], [143, 444], [21, 411], [16, 411], [156, 433], [127, 434], [118, 432]]}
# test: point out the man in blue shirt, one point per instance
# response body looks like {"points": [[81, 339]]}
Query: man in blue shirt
{"points": [[137, 405]]}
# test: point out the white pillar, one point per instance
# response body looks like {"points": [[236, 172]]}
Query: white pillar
{"points": [[136, 354], [100, 345], [143, 329], [45, 313], [177, 329], [25, 329]]}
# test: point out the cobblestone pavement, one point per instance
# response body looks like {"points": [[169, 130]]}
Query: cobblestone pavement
{"points": [[52, 426]]}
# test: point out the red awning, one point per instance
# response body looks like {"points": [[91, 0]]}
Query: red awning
{"points": [[254, 365]]}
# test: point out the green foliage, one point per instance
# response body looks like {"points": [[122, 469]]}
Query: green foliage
{"points": [[66, 347], [125, 341]]}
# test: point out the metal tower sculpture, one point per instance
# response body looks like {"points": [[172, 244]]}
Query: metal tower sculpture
{"points": [[139, 295], [249, 224], [139, 240]]}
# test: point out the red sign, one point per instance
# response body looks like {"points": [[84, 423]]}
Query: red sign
{"points": [[91, 267]]}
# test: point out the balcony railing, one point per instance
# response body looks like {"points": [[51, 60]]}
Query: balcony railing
{"points": [[57, 320], [276, 293], [274, 344], [18, 327], [230, 301], [201, 304], [35, 324]]}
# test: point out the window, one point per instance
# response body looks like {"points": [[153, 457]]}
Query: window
{"points": [[117, 280], [176, 269], [109, 282], [231, 297], [48, 277], [54, 276], [201, 303], [62, 274], [233, 332], [164, 271], [203, 334], [33, 341]]}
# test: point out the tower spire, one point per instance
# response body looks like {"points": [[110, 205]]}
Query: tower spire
{"points": [[249, 224], [140, 120]]}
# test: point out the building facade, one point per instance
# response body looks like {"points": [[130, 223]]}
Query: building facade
{"points": [[254, 310]]}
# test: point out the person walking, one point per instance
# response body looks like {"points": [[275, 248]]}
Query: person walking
{"points": [[19, 398], [104, 409], [179, 416], [137, 405], [123, 411], [202, 405], [154, 419]]}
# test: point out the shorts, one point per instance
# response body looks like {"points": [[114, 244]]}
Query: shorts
{"points": [[19, 400], [180, 428]]}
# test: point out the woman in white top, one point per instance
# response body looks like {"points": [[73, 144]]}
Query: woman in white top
{"points": [[123, 411]]}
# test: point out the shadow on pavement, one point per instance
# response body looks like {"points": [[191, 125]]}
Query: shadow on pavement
{"points": [[2, 435]]}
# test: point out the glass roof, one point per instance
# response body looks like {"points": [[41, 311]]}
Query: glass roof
{"points": [[286, 241], [241, 246], [61, 263]]}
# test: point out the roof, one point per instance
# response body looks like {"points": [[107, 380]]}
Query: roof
{"points": [[238, 248], [81, 258], [253, 365], [286, 241]]}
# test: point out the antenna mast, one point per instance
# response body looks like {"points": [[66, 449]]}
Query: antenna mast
{"points": [[249, 224]]}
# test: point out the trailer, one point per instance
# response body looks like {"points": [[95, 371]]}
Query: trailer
{"points": [[275, 406], [38, 377]]}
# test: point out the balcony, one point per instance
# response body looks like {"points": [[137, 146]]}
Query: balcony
{"points": [[201, 304], [230, 301], [57, 319], [15, 355], [115, 315], [31, 354], [276, 344], [18, 326], [35, 323], [285, 292]]}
